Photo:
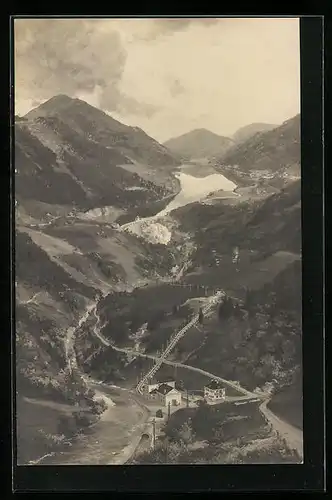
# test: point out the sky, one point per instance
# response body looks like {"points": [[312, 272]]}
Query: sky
{"points": [[166, 76]]}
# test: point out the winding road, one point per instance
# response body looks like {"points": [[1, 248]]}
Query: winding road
{"points": [[162, 359], [292, 435]]}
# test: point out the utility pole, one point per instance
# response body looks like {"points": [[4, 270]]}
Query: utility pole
{"points": [[154, 433], [187, 398], [169, 410]]}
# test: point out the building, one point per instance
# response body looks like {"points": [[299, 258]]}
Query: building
{"points": [[166, 395], [164, 392], [214, 391], [154, 385]]}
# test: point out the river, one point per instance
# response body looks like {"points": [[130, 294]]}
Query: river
{"points": [[195, 189]]}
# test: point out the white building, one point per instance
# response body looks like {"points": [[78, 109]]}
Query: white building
{"points": [[167, 395], [214, 391], [164, 392]]}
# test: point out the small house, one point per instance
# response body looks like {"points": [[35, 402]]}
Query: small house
{"points": [[156, 383], [166, 395], [214, 391]]}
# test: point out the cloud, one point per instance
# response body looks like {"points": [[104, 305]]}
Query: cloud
{"points": [[166, 76], [73, 57], [86, 57]]}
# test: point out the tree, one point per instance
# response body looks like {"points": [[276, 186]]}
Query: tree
{"points": [[180, 385], [185, 433], [218, 433], [81, 419]]}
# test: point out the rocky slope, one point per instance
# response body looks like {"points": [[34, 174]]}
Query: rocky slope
{"points": [[200, 143]]}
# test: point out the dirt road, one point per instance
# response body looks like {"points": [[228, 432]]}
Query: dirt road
{"points": [[291, 434]]}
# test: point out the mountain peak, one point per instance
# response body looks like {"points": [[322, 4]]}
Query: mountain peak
{"points": [[199, 143], [60, 99]]}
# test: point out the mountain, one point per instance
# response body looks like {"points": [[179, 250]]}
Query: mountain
{"points": [[92, 124], [244, 133], [68, 153], [200, 143], [270, 151]]}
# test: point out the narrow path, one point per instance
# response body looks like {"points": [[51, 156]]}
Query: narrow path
{"points": [[32, 299]]}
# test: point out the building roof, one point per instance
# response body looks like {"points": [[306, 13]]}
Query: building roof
{"points": [[165, 389], [215, 385]]}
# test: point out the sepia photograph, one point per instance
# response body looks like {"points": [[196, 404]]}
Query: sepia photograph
{"points": [[158, 259]]}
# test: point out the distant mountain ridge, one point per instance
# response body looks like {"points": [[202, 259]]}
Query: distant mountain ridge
{"points": [[271, 150], [244, 133], [199, 143]]}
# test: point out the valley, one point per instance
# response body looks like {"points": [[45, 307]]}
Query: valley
{"points": [[124, 264]]}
